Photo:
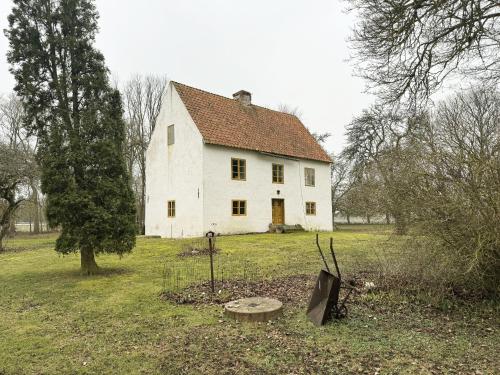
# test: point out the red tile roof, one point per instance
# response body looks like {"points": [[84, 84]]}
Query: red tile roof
{"points": [[227, 122]]}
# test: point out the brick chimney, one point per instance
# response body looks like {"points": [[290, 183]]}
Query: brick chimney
{"points": [[244, 97]]}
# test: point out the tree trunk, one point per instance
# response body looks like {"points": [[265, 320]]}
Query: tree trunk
{"points": [[142, 205], [88, 264], [348, 217], [4, 229], [7, 222], [36, 219], [400, 223], [387, 218], [143, 217], [3, 232], [12, 229], [368, 219]]}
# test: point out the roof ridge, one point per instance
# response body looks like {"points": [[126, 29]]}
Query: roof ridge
{"points": [[225, 97], [205, 91]]}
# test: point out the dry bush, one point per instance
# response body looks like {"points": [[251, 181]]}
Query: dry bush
{"points": [[455, 246], [422, 267], [458, 195]]}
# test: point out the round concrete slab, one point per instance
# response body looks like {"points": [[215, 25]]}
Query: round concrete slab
{"points": [[254, 309]]}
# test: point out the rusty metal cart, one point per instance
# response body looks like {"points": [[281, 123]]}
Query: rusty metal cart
{"points": [[324, 304]]}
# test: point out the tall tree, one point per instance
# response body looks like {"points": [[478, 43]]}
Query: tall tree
{"points": [[143, 99], [69, 104], [405, 49]]}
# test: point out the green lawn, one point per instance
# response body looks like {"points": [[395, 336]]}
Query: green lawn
{"points": [[54, 321]]}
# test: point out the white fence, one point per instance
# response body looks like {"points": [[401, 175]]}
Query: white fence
{"points": [[339, 219], [27, 227]]}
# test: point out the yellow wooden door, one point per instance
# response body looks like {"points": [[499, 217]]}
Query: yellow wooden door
{"points": [[278, 211]]}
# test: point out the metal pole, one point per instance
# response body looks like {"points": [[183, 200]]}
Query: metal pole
{"points": [[210, 246]]}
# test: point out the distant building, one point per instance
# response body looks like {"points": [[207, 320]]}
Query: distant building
{"points": [[230, 166]]}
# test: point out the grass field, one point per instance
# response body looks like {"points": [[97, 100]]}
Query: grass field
{"points": [[54, 321]]}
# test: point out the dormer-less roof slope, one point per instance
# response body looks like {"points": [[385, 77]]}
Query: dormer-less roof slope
{"points": [[228, 122]]}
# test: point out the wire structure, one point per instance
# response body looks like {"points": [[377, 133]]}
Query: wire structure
{"points": [[182, 272]]}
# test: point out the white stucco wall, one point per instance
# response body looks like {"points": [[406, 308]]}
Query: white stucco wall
{"points": [[258, 190], [198, 177], [174, 173]]}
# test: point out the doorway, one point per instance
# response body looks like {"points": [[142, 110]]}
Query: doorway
{"points": [[278, 211]]}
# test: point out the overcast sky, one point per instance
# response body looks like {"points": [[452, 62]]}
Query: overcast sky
{"points": [[287, 51]]}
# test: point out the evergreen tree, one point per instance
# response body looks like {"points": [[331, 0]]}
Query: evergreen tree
{"points": [[63, 83]]}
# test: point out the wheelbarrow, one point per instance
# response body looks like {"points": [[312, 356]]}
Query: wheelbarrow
{"points": [[324, 304]]}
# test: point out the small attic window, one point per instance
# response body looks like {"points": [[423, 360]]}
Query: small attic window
{"points": [[170, 135], [171, 208], [309, 176]]}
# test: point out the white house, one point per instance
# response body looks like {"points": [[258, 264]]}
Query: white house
{"points": [[230, 166]]}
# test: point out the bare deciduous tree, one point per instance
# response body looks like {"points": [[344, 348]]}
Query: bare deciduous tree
{"points": [[407, 48], [143, 99], [11, 121], [295, 111], [14, 134], [381, 139], [364, 197], [342, 182], [16, 170]]}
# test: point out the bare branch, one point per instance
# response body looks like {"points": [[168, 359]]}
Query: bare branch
{"points": [[406, 49]]}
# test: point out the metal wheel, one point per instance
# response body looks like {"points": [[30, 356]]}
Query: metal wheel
{"points": [[339, 313]]}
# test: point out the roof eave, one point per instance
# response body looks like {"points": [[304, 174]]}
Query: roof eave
{"points": [[293, 157]]}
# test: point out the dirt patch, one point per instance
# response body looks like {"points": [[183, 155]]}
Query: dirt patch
{"points": [[294, 289], [286, 289]]}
